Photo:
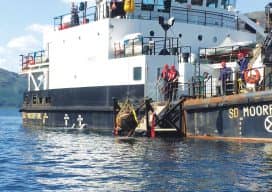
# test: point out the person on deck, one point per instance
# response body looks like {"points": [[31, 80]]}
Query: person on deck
{"points": [[225, 73], [173, 82], [165, 76], [252, 77], [243, 63], [117, 9]]}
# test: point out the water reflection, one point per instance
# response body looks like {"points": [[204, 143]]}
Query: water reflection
{"points": [[44, 160]]}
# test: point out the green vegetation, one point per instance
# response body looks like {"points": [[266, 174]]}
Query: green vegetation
{"points": [[12, 86]]}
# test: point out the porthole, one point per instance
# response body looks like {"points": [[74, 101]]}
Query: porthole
{"points": [[47, 100], [40, 100], [34, 99], [214, 39]]}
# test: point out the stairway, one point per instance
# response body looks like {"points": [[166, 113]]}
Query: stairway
{"points": [[267, 49], [268, 41], [258, 28], [168, 117]]}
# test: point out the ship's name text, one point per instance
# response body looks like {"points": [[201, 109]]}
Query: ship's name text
{"points": [[251, 111], [259, 110]]}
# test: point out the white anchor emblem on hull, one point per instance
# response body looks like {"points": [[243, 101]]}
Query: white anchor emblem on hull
{"points": [[268, 124], [80, 121], [66, 118]]}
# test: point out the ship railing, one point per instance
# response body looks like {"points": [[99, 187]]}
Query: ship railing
{"points": [[64, 21], [225, 53], [172, 92], [184, 14], [150, 12], [203, 17], [34, 59], [206, 86], [149, 46], [209, 86]]}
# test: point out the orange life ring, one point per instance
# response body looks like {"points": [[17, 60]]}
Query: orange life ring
{"points": [[252, 78]]}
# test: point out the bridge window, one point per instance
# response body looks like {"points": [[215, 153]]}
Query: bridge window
{"points": [[197, 2], [137, 73], [160, 5], [164, 5], [147, 5], [47, 100], [182, 1], [212, 3], [228, 3], [40, 100], [214, 39], [34, 99]]}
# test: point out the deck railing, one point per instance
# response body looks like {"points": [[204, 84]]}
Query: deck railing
{"points": [[226, 53], [64, 21], [208, 86], [149, 46], [34, 59], [152, 12]]}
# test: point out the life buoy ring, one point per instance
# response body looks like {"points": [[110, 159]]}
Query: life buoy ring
{"points": [[252, 76]]}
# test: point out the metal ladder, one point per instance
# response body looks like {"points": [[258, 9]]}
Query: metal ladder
{"points": [[268, 41]]}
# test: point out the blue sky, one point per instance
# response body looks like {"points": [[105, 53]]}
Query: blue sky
{"points": [[23, 21], [245, 6]]}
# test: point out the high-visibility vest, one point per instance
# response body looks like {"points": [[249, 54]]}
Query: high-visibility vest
{"points": [[164, 74], [172, 75]]}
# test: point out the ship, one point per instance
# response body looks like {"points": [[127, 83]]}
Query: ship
{"points": [[104, 59]]}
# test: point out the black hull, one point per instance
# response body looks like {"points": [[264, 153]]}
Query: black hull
{"points": [[88, 107], [244, 116]]}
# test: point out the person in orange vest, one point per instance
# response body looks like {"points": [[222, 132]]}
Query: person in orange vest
{"points": [[252, 77], [164, 76], [173, 81]]}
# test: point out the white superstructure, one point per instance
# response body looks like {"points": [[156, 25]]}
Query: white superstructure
{"points": [[101, 50]]}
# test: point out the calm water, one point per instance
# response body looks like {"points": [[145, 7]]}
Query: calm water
{"points": [[40, 160]]}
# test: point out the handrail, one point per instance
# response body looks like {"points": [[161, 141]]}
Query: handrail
{"points": [[183, 14], [226, 53], [34, 58], [204, 86], [149, 46], [59, 24]]}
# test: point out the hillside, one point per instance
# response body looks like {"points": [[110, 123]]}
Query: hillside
{"points": [[12, 87]]}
